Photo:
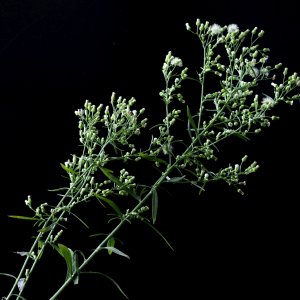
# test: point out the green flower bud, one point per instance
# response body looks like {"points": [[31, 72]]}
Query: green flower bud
{"points": [[261, 33], [99, 107], [240, 191], [244, 158], [113, 96], [254, 30], [187, 26]]}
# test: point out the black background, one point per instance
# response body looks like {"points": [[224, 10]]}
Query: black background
{"points": [[56, 54]]}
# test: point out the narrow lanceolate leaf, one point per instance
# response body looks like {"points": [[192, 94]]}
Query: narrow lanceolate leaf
{"points": [[19, 296], [159, 234], [8, 274], [105, 234], [119, 183], [111, 203], [23, 218], [68, 258], [45, 229], [191, 119], [107, 277], [58, 189], [152, 158], [110, 243], [80, 220], [67, 169], [175, 179], [116, 251], [154, 205]]}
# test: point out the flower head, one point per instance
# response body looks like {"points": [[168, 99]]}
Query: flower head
{"points": [[264, 71], [164, 148], [232, 28], [267, 100], [215, 28], [255, 70], [176, 62]]}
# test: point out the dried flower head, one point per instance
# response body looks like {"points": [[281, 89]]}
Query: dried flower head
{"points": [[267, 100], [264, 71], [176, 62], [164, 148], [255, 70], [232, 28], [215, 28]]}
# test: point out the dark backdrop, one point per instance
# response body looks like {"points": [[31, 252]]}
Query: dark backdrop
{"points": [[56, 54]]}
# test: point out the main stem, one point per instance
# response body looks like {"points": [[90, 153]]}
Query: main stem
{"points": [[155, 186]]}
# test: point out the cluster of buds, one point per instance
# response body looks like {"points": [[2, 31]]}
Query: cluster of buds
{"points": [[135, 215], [56, 237]]}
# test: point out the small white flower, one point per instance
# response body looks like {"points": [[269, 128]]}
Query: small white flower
{"points": [[265, 58], [176, 62], [215, 28], [232, 28], [268, 100], [255, 70]]}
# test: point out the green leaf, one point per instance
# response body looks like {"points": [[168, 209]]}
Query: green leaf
{"points": [[58, 250], [67, 169], [8, 275], [154, 205], [115, 148], [191, 172], [58, 189], [24, 218], [79, 220], [110, 243], [105, 234], [115, 250], [235, 133], [68, 258], [152, 158], [159, 234], [40, 246], [119, 183], [157, 125], [111, 203], [75, 267], [45, 229], [107, 277], [107, 170], [175, 179], [142, 192], [19, 296], [192, 79], [191, 119]]}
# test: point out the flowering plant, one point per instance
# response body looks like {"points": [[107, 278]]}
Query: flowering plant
{"points": [[231, 115]]}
